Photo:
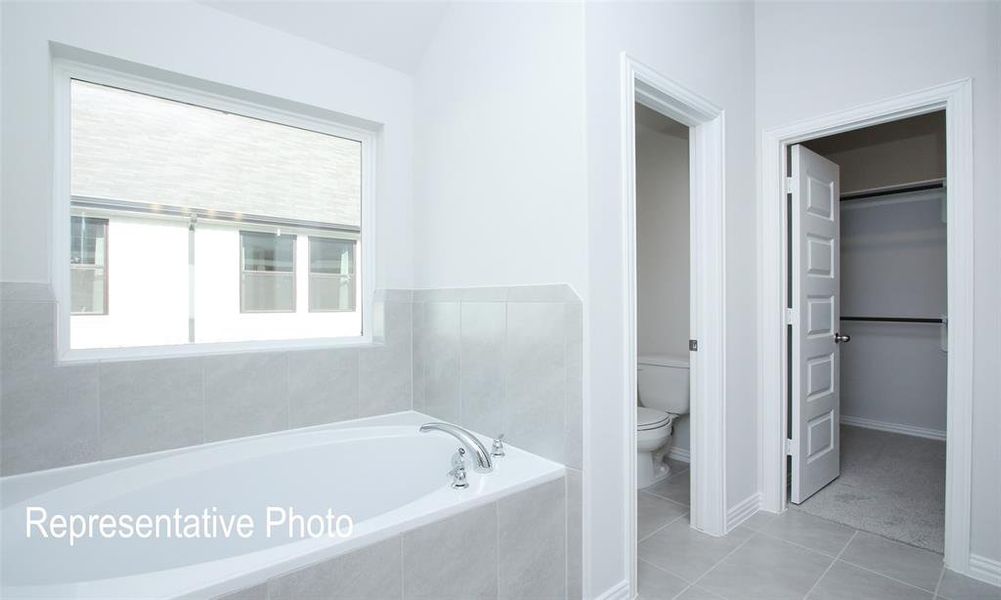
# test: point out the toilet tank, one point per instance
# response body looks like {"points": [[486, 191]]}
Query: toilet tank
{"points": [[663, 383]]}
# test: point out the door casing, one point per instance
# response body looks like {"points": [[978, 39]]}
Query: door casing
{"points": [[956, 99]]}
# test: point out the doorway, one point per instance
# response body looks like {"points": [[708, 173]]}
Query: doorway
{"points": [[868, 301], [704, 121], [955, 101]]}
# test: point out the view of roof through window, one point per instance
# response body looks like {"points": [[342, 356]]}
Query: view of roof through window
{"points": [[181, 196], [139, 148]]}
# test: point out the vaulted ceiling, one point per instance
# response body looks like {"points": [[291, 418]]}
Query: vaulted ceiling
{"points": [[394, 34]]}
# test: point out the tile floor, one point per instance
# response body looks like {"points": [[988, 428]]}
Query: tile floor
{"points": [[794, 556]]}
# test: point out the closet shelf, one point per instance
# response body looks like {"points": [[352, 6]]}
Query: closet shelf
{"points": [[894, 319]]}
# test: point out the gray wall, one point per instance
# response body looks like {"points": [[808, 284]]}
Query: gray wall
{"points": [[57, 415], [893, 264]]}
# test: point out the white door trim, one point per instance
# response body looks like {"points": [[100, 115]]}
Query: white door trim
{"points": [[956, 99], [706, 142]]}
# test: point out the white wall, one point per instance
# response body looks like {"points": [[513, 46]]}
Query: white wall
{"points": [[196, 41], [674, 39], [499, 157], [662, 247], [817, 58]]}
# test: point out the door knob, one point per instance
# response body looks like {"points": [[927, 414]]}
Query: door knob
{"points": [[842, 339]]}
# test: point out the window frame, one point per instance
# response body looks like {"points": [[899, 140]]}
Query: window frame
{"points": [[309, 270], [189, 90]]}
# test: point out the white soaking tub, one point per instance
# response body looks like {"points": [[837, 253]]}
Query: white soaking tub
{"points": [[380, 471]]}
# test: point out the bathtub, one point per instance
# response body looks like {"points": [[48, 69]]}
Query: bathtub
{"points": [[379, 471]]}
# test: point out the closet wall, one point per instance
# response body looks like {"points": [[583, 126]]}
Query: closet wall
{"points": [[893, 264]]}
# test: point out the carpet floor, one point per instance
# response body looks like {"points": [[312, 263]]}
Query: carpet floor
{"points": [[892, 485]]}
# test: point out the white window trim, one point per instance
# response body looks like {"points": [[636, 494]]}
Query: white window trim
{"points": [[63, 71]]}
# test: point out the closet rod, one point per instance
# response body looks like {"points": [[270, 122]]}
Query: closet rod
{"points": [[893, 319], [918, 186]]}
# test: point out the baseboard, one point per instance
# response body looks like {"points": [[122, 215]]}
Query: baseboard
{"points": [[742, 511], [923, 432], [679, 454], [619, 591], [985, 569]]}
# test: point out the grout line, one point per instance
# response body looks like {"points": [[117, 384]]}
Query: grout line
{"points": [[830, 566], [938, 585], [814, 550], [721, 561], [842, 551], [671, 500], [661, 528], [917, 587]]}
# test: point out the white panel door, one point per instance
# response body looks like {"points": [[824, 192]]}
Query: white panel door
{"points": [[816, 312]]}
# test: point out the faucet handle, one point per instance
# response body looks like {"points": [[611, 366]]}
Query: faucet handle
{"points": [[498, 446], [459, 458], [458, 472]]}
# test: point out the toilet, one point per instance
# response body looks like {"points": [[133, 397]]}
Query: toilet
{"points": [[663, 397]]}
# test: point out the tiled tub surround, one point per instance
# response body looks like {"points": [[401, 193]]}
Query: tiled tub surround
{"points": [[509, 360], [504, 360], [56, 415], [414, 536], [491, 359], [511, 549]]}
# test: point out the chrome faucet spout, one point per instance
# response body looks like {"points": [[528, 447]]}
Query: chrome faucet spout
{"points": [[481, 457]]}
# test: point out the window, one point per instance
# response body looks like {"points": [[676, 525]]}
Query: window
{"points": [[267, 277], [331, 274], [89, 266], [232, 222]]}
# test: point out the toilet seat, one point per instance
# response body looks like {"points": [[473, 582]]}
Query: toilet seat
{"points": [[650, 418]]}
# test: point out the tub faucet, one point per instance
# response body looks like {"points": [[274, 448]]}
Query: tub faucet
{"points": [[481, 458]]}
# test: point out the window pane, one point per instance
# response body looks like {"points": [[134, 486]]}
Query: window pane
{"points": [[331, 292], [87, 240], [268, 252], [267, 292], [195, 195], [331, 274], [88, 261], [88, 291], [327, 255], [268, 277]]}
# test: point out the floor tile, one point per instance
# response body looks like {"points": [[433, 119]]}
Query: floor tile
{"points": [[959, 587], [677, 467], [698, 593], [806, 530], [653, 513], [688, 553], [657, 584], [904, 563], [848, 582], [676, 487], [760, 520], [766, 568]]}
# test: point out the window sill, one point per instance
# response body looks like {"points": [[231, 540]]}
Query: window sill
{"points": [[94, 355]]}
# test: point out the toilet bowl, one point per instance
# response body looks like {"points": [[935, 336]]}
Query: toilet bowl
{"points": [[653, 439], [663, 397]]}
